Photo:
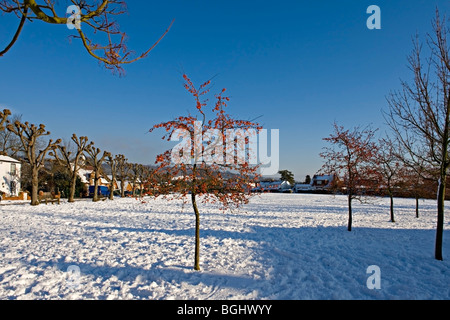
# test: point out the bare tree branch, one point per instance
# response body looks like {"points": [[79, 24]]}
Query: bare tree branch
{"points": [[93, 14]]}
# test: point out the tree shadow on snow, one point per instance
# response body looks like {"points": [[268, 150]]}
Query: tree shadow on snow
{"points": [[296, 263]]}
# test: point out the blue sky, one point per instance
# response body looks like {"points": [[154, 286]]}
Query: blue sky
{"points": [[300, 65]]}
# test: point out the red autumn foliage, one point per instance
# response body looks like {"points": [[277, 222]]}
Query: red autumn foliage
{"points": [[225, 182], [352, 157]]}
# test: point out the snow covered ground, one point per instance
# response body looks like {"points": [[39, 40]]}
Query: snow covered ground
{"points": [[280, 246]]}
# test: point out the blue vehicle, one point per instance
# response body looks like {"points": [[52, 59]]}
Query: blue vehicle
{"points": [[102, 191]]}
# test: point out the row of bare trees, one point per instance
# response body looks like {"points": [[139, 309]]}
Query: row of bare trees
{"points": [[419, 122], [364, 166], [23, 137]]}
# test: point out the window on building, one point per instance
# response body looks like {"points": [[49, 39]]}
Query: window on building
{"points": [[13, 169]]}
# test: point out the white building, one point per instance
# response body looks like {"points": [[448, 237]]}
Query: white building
{"points": [[273, 186], [9, 176]]}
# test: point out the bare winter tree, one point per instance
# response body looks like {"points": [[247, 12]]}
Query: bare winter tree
{"points": [[123, 169], [3, 118], [29, 135], [144, 177], [112, 162], [389, 167], [419, 113], [72, 160], [93, 17], [134, 174], [96, 160], [418, 182], [9, 143]]}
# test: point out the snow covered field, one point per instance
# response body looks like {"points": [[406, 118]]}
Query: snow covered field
{"points": [[280, 246]]}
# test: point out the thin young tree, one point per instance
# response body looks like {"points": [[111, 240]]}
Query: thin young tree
{"points": [[134, 173], [351, 156], [29, 134], [212, 163], [417, 184], [96, 159], [390, 168], [144, 180], [71, 159], [419, 113], [89, 18]]}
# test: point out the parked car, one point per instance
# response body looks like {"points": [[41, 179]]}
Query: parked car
{"points": [[102, 191]]}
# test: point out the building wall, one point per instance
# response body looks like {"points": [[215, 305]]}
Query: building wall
{"points": [[6, 178]]}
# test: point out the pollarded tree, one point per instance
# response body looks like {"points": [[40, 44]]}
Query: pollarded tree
{"points": [[122, 172], [112, 162], [29, 135], [97, 17], [72, 160], [96, 159], [214, 162], [351, 157], [3, 118], [9, 143], [419, 113]]}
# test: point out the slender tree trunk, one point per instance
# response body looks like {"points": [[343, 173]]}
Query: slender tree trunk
{"points": [[350, 197], [440, 217], [417, 206], [34, 186], [197, 233], [392, 206]]}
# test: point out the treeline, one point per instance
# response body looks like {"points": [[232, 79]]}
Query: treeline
{"points": [[414, 155], [53, 166]]}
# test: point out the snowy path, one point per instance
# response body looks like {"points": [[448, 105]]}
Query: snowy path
{"points": [[280, 246]]}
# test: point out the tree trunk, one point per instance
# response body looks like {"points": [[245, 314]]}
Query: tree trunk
{"points": [[34, 186], [392, 206], [417, 206], [96, 178], [73, 183], [440, 217], [350, 197], [197, 233], [122, 188], [111, 189]]}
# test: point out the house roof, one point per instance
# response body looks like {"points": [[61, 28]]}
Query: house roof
{"points": [[8, 159], [323, 177]]}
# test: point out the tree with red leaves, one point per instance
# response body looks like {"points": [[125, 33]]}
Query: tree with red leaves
{"points": [[351, 157], [215, 162]]}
